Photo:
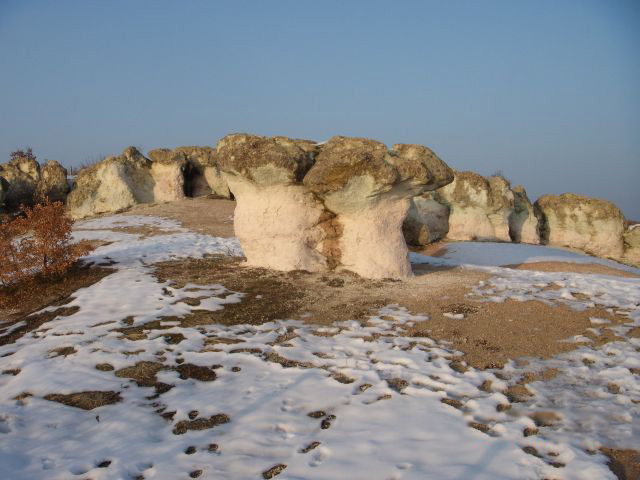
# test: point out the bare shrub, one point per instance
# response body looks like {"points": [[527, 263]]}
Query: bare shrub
{"points": [[28, 153], [37, 245]]}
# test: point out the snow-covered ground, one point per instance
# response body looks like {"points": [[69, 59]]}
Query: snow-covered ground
{"points": [[387, 422]]}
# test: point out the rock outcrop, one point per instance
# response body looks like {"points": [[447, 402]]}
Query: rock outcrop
{"points": [[589, 224], [27, 182], [53, 182], [523, 223], [427, 220], [118, 183], [632, 245], [114, 184], [479, 208], [167, 167], [472, 207], [23, 174], [339, 205], [202, 173]]}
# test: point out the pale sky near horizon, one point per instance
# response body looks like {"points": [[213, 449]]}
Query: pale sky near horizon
{"points": [[546, 91]]}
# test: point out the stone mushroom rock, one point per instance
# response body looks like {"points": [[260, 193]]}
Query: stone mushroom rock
{"points": [[479, 207], [53, 183], [277, 220], [23, 174], [590, 224], [112, 185], [339, 205], [632, 245], [167, 172], [523, 223], [203, 175]]}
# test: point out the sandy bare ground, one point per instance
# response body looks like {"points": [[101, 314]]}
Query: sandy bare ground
{"points": [[211, 216]]}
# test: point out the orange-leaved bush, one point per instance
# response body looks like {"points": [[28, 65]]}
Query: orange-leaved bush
{"points": [[37, 244]]}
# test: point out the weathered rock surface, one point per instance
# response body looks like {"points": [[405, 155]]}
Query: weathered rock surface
{"points": [[167, 167], [277, 220], [427, 220], [523, 223], [23, 174], [53, 182], [202, 173], [339, 205], [632, 245], [472, 207], [589, 224], [114, 184], [479, 208]]}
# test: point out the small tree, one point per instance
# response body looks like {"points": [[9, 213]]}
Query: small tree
{"points": [[37, 245]]}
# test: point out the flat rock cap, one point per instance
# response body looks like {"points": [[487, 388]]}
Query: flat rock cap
{"points": [[421, 166], [250, 156], [343, 158]]}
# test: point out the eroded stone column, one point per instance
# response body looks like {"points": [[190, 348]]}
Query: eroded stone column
{"points": [[339, 205]]}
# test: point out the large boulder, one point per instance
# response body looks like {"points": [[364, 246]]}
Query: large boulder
{"points": [[338, 205], [590, 224], [114, 184], [53, 183], [523, 223], [427, 220], [479, 207], [22, 173]]}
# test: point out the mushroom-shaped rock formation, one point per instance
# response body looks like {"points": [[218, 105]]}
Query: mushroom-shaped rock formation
{"points": [[23, 174], [339, 205], [277, 220], [114, 184], [523, 223], [590, 224], [53, 182], [202, 175], [167, 168], [479, 207]]}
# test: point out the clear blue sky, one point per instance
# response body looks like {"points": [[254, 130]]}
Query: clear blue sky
{"points": [[546, 91]]}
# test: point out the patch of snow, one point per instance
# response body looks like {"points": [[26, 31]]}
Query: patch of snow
{"points": [[493, 254]]}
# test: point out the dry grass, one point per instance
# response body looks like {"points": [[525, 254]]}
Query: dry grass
{"points": [[85, 400]]}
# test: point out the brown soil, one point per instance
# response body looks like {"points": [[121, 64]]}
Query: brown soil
{"points": [[45, 293], [625, 464], [209, 215], [592, 268], [490, 333], [85, 400]]}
